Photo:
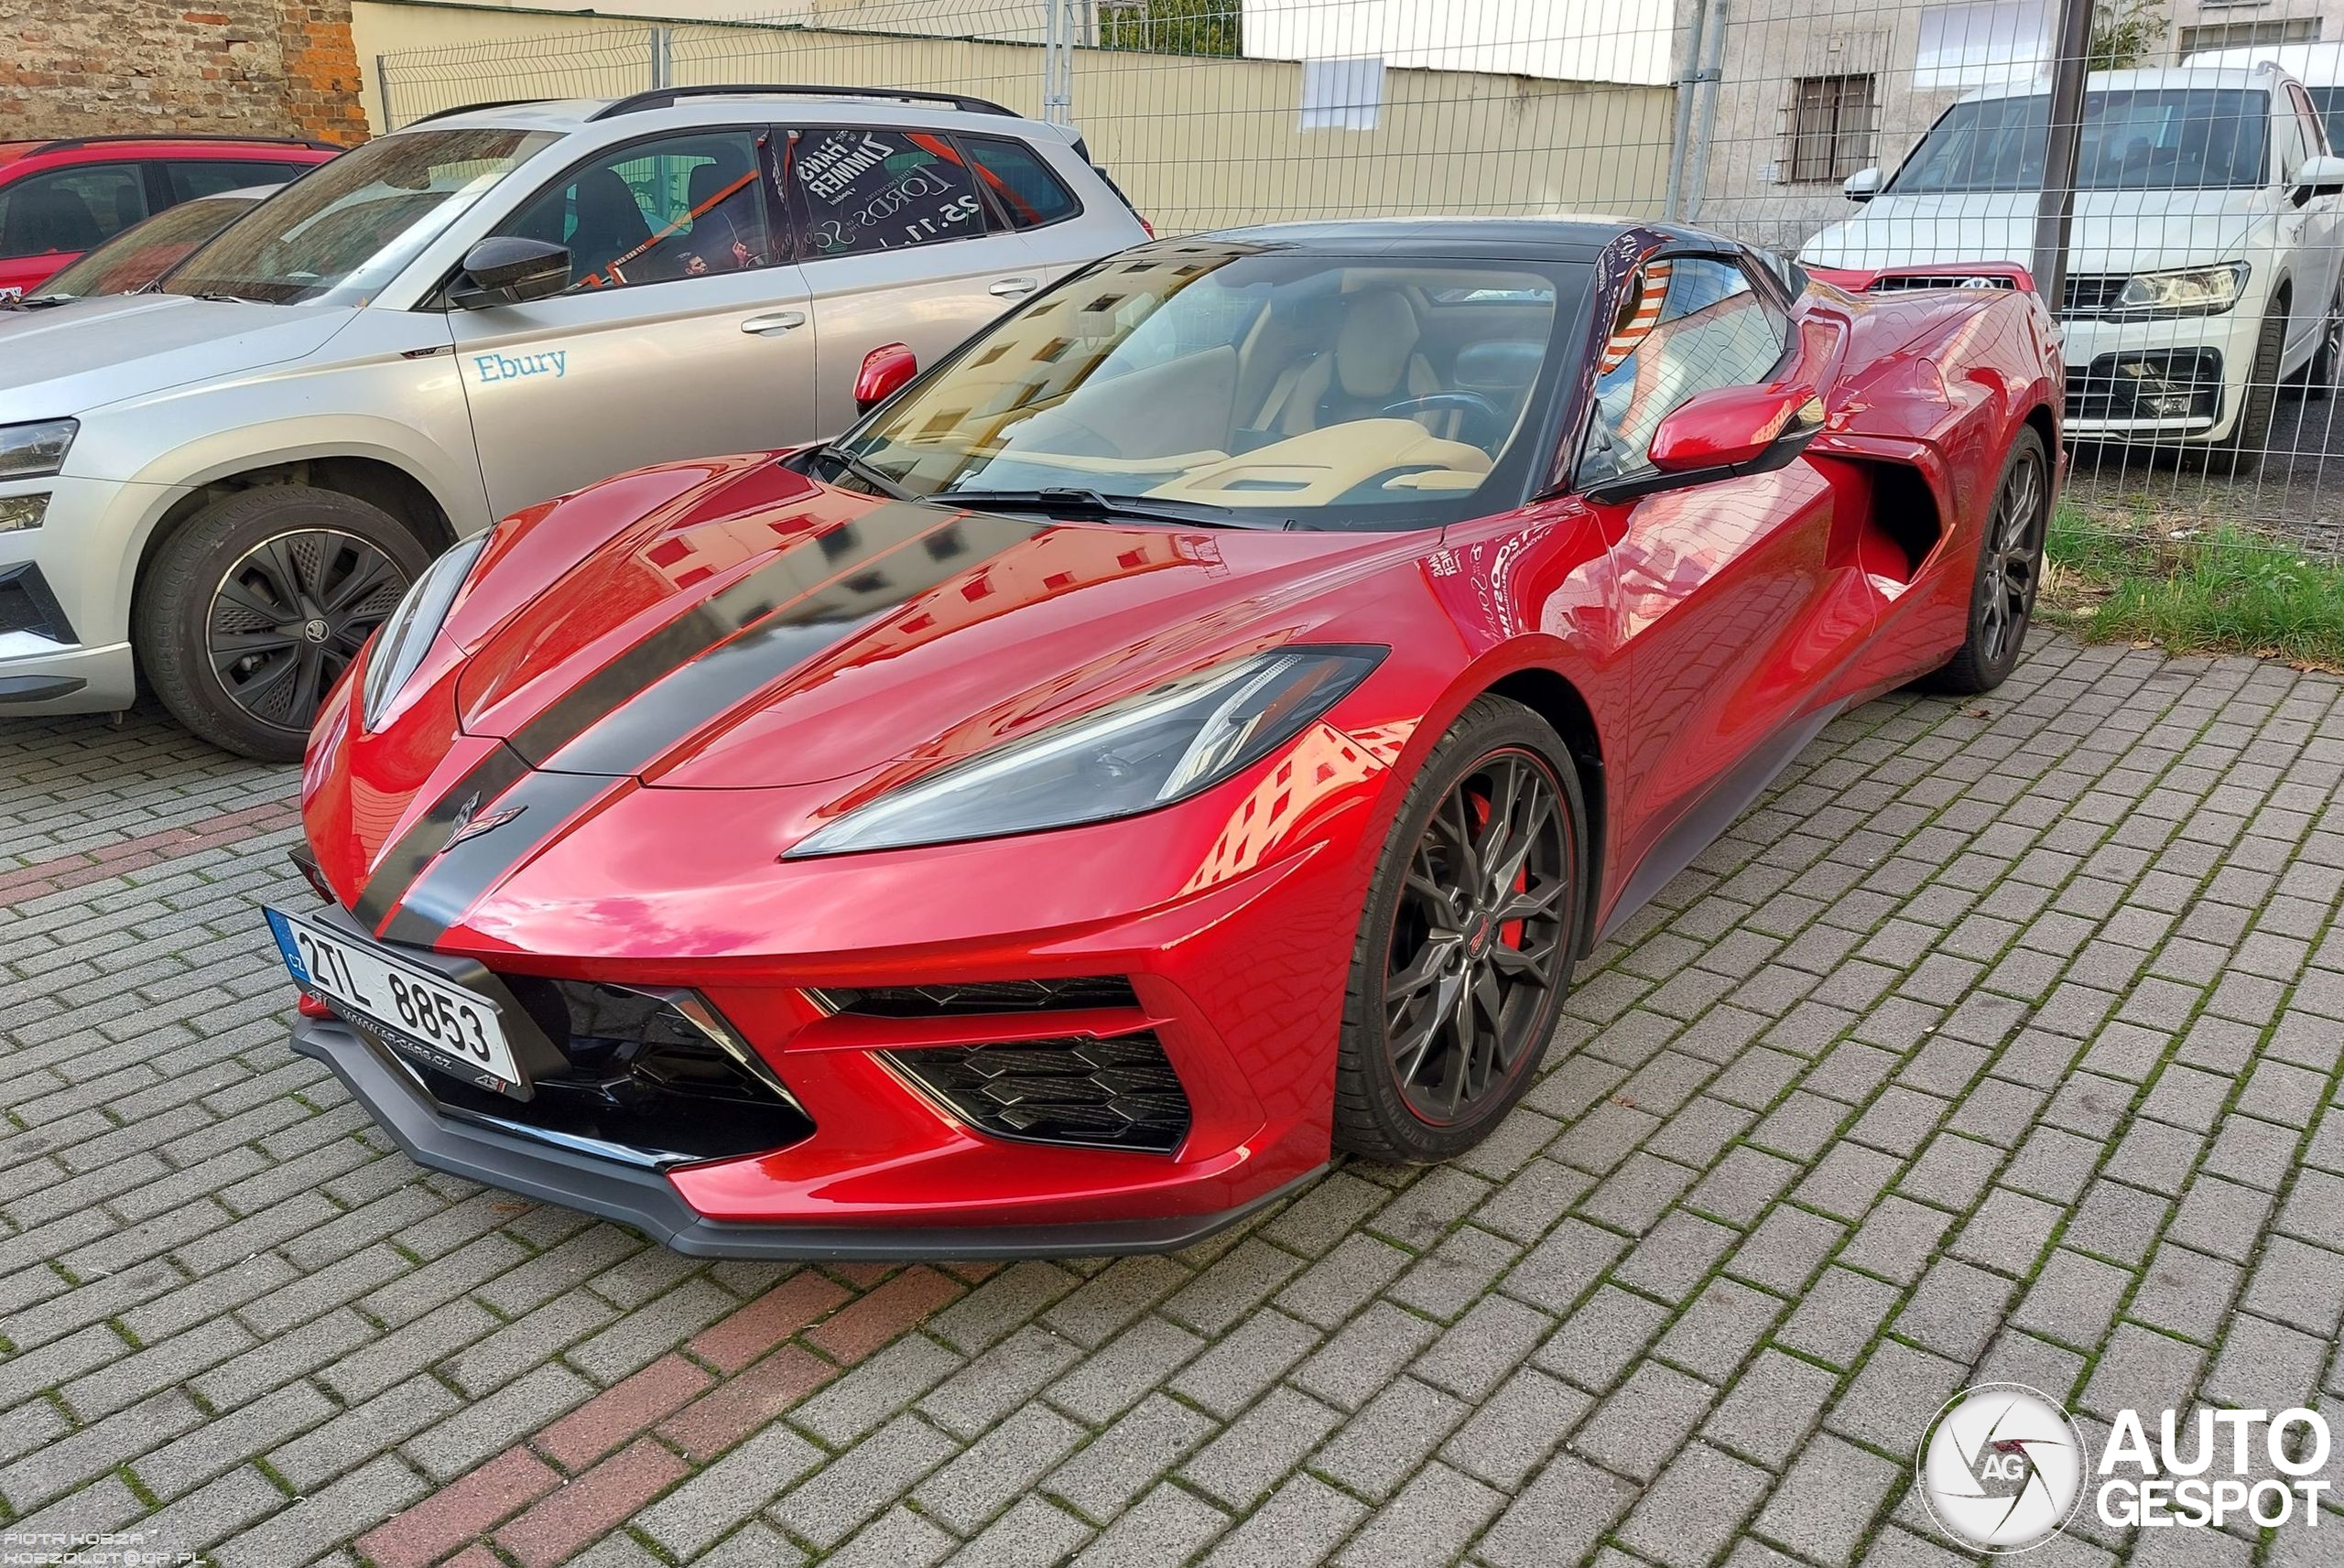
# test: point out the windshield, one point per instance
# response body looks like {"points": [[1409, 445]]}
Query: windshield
{"points": [[143, 252], [339, 234], [2329, 102], [2165, 138], [1277, 389]]}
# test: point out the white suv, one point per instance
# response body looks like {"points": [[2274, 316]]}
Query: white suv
{"points": [[236, 473], [2202, 263]]}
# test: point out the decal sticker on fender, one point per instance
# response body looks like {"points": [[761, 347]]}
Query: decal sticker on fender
{"points": [[492, 368]]}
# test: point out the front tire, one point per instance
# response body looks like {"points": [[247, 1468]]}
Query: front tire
{"points": [[2319, 376], [1467, 944], [251, 611], [2239, 454], [2009, 573]]}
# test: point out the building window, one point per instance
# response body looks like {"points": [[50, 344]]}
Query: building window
{"points": [[1982, 43], [1831, 127], [2250, 34]]}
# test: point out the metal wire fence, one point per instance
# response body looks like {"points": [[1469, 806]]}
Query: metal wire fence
{"points": [[2163, 169]]}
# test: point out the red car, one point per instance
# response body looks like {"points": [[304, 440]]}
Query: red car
{"points": [[59, 198], [1195, 729]]}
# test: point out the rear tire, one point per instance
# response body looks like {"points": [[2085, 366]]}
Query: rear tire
{"points": [[249, 613], [1467, 944], [2009, 573]]}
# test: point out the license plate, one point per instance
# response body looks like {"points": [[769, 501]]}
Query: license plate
{"points": [[440, 1024]]}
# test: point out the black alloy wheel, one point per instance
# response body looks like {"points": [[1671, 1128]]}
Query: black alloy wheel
{"points": [[2011, 560], [289, 615], [1468, 941], [1476, 939]]}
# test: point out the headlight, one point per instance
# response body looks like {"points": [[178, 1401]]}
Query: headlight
{"points": [[36, 451], [1163, 745], [407, 636], [2199, 291]]}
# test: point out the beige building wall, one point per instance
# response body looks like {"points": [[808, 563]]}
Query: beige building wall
{"points": [[1196, 143]]}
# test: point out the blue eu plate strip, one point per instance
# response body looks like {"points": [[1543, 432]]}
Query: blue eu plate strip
{"points": [[282, 930]]}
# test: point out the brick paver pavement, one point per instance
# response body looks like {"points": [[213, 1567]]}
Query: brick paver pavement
{"points": [[1995, 1045]]}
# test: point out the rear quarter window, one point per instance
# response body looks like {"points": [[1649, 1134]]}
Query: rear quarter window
{"points": [[1020, 182]]}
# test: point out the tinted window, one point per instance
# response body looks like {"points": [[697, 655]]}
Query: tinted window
{"points": [[70, 208], [1296, 389], [882, 190], [1688, 325], [683, 206], [1020, 181], [209, 176], [2169, 138], [2330, 102]]}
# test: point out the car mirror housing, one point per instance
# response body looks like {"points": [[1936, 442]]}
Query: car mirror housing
{"points": [[506, 269], [1863, 185], [885, 370], [2320, 176], [1721, 433]]}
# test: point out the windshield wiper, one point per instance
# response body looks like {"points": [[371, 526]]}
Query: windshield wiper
{"points": [[1070, 501], [218, 298], [873, 477]]}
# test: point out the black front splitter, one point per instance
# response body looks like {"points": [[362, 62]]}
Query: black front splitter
{"points": [[645, 1200]]}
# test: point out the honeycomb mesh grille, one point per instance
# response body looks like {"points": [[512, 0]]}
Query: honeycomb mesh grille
{"points": [[1102, 1094], [984, 996]]}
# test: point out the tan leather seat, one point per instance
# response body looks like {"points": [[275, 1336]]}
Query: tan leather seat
{"points": [[1372, 365]]}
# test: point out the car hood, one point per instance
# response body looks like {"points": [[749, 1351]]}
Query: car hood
{"points": [[69, 359], [2113, 232], [762, 630]]}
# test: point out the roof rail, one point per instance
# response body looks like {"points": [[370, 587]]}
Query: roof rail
{"points": [[66, 144], [471, 108], [664, 97]]}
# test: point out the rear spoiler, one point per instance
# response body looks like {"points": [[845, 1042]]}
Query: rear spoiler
{"points": [[1933, 275]]}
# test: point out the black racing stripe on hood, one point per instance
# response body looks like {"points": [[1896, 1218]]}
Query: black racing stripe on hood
{"points": [[482, 783], [950, 541], [756, 597], [544, 804], [886, 572]]}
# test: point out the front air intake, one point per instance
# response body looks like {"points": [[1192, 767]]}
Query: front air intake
{"points": [[1119, 1093], [981, 996]]}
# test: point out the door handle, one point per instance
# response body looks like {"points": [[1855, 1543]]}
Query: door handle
{"points": [[1011, 287], [773, 323]]}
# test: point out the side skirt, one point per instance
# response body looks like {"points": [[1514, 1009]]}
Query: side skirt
{"points": [[1713, 814]]}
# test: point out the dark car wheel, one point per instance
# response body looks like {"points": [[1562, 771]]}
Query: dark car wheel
{"points": [[2010, 572], [2318, 377], [251, 611], [2239, 454], [1465, 949]]}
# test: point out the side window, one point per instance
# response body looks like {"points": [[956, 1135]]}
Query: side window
{"points": [[1021, 183], [1687, 324], [69, 210], [187, 178], [682, 206], [868, 190]]}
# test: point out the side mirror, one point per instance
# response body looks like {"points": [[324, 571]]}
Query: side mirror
{"points": [[884, 371], [2320, 176], [1719, 434], [509, 270], [1863, 185]]}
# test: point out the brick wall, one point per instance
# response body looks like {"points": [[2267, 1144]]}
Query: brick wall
{"points": [[257, 67]]}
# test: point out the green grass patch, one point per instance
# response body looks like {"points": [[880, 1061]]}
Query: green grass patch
{"points": [[2218, 589]]}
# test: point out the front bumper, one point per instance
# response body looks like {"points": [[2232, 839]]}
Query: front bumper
{"points": [[649, 1202], [2182, 379], [77, 657]]}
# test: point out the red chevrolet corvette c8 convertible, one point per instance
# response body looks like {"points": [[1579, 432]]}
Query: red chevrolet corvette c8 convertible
{"points": [[1196, 728]]}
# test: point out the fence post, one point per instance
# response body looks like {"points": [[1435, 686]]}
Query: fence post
{"points": [[1708, 77], [2055, 209], [1687, 84], [1058, 62], [662, 67], [383, 91]]}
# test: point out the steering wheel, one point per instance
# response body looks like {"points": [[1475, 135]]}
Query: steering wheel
{"points": [[1484, 423]]}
